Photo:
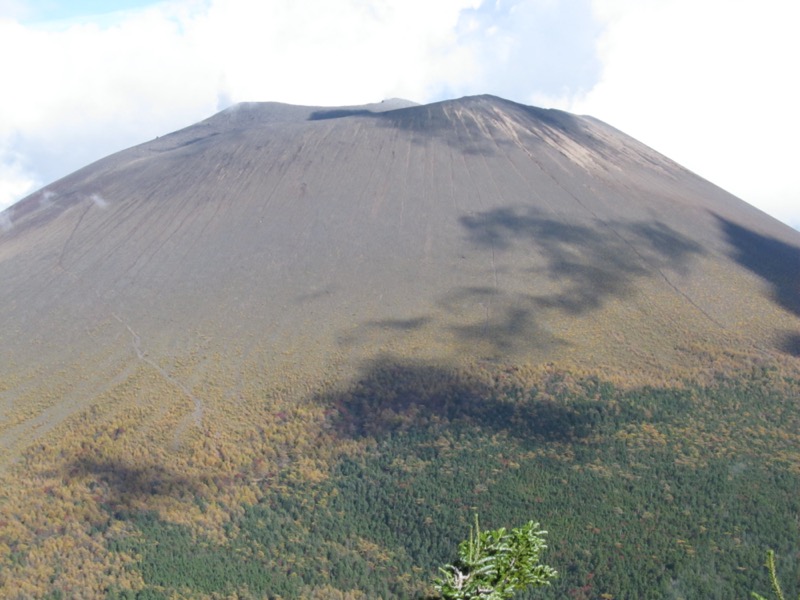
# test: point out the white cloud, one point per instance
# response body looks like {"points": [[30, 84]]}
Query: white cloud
{"points": [[14, 182], [533, 47], [711, 84], [13, 9], [326, 52], [78, 93]]}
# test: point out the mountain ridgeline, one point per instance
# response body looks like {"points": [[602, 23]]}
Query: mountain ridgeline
{"points": [[287, 352]]}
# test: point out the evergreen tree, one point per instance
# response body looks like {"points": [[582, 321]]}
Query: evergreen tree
{"points": [[494, 565]]}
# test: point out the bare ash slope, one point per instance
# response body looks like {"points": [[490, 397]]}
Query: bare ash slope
{"points": [[309, 241]]}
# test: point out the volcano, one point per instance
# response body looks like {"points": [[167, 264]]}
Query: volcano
{"points": [[276, 251]]}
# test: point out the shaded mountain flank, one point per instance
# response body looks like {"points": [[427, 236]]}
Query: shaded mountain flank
{"points": [[247, 314]]}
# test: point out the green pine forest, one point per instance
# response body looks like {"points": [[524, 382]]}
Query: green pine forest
{"points": [[668, 491]]}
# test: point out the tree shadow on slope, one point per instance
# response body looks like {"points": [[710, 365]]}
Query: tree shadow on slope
{"points": [[790, 343], [393, 396], [777, 263], [509, 328], [123, 487], [511, 324], [539, 272], [588, 263]]}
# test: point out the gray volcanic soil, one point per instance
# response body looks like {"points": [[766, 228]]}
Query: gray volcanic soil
{"points": [[313, 240]]}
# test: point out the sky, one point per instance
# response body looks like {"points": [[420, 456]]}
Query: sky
{"points": [[712, 84]]}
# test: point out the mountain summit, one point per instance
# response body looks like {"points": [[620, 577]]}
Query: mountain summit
{"points": [[165, 297], [473, 228]]}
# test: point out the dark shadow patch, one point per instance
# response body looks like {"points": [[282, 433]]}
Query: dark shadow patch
{"points": [[588, 264], [510, 323], [401, 324], [665, 242], [479, 125], [316, 295], [177, 140], [393, 396], [472, 124], [509, 329], [197, 139], [790, 343], [124, 487], [775, 261], [338, 113], [544, 269]]}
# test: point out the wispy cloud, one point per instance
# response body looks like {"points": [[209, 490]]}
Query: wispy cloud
{"points": [[99, 201], [15, 181], [47, 197]]}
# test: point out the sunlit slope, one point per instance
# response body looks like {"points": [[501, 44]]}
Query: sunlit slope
{"points": [[306, 241]]}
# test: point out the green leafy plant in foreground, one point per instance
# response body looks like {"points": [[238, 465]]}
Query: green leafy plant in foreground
{"points": [[494, 565], [773, 577]]}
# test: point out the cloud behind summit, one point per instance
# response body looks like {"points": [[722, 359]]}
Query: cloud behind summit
{"points": [[709, 83]]}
